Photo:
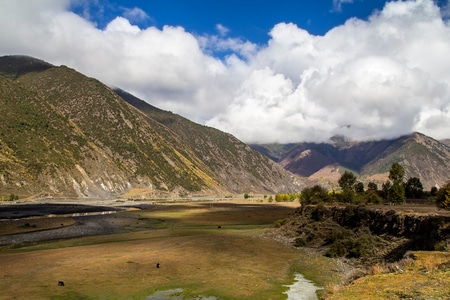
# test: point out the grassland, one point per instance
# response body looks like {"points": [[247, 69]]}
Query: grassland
{"points": [[423, 275], [235, 261]]}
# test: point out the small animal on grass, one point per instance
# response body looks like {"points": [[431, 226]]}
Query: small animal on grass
{"points": [[157, 265], [60, 283], [219, 226]]}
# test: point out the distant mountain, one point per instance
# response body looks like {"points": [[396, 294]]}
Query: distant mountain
{"points": [[64, 134], [420, 155]]}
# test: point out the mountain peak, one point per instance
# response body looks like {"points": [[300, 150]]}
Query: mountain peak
{"points": [[14, 66]]}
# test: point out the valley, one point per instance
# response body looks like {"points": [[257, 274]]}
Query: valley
{"points": [[118, 199], [212, 248], [221, 249]]}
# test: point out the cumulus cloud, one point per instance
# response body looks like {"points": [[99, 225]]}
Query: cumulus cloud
{"points": [[372, 79]]}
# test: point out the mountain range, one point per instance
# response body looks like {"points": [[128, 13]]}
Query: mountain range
{"points": [[63, 134], [421, 156]]}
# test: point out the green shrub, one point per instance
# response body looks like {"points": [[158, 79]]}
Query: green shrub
{"points": [[11, 197], [338, 249]]}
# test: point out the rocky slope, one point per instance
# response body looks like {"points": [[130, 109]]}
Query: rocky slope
{"points": [[64, 134], [223, 153], [420, 155]]}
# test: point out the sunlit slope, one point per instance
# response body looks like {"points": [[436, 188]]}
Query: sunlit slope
{"points": [[70, 135]]}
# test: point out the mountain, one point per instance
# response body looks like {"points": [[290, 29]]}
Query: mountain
{"points": [[65, 134], [420, 155], [232, 162]]}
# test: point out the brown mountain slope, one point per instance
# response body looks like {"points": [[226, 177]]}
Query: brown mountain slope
{"points": [[70, 135], [420, 155], [232, 162]]}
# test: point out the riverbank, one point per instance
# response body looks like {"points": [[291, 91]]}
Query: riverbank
{"points": [[371, 240]]}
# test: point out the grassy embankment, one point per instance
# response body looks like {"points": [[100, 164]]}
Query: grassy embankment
{"points": [[425, 275]]}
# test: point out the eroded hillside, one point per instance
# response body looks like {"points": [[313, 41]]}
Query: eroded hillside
{"points": [[69, 135]]}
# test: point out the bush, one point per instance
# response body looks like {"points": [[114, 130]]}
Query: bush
{"points": [[372, 196], [338, 249], [349, 244], [314, 195]]}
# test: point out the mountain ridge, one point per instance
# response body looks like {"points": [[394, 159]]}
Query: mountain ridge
{"points": [[421, 156], [70, 135]]}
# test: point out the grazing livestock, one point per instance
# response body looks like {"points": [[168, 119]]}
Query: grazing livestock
{"points": [[60, 283], [157, 265]]}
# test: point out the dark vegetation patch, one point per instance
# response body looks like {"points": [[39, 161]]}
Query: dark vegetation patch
{"points": [[366, 234]]}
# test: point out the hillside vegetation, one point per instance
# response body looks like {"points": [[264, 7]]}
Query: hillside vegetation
{"points": [[64, 134]]}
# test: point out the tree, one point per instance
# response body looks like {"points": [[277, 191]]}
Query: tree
{"points": [[372, 186], [396, 173], [385, 189], [443, 197], [314, 194], [350, 186], [413, 188], [359, 187], [433, 191], [396, 194], [347, 181]]}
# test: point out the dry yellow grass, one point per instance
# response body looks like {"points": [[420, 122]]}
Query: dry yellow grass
{"points": [[427, 277], [231, 262]]}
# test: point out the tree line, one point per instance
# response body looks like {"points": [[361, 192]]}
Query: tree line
{"points": [[394, 191], [11, 197]]}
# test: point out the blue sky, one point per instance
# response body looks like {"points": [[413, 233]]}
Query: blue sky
{"points": [[264, 71], [245, 19]]}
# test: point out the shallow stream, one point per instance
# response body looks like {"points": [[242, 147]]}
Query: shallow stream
{"points": [[302, 289]]}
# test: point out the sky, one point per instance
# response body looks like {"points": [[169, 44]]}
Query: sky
{"points": [[269, 71]]}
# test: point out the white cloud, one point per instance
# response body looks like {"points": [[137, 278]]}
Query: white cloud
{"points": [[135, 14], [337, 4], [120, 24], [371, 79], [223, 31]]}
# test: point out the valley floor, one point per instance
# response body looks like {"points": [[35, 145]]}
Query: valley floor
{"points": [[214, 249], [218, 249]]}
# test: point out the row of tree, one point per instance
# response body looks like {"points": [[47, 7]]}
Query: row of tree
{"points": [[11, 197], [395, 190]]}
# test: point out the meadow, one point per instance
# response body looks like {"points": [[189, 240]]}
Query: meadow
{"points": [[215, 249]]}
